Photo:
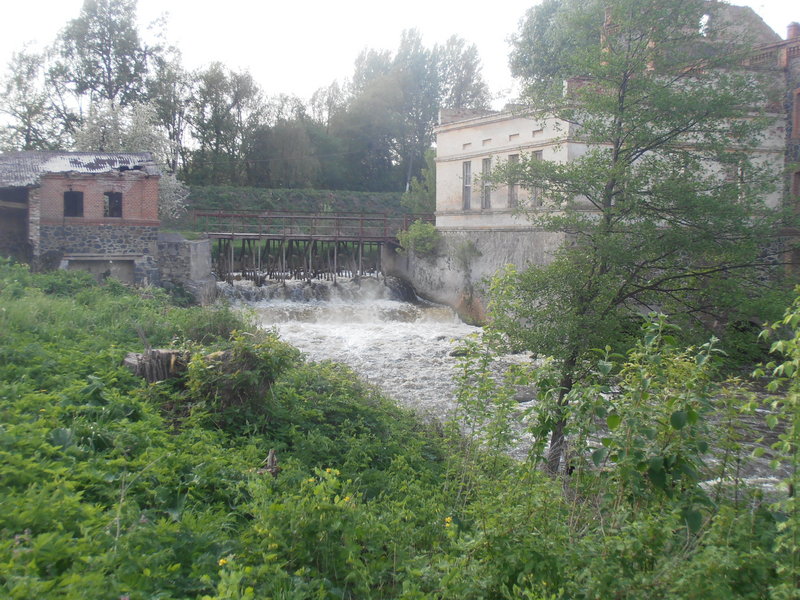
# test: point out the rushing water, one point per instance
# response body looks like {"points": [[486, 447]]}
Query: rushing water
{"points": [[389, 338], [402, 347]]}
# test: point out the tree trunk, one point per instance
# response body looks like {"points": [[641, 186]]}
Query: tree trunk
{"points": [[557, 439]]}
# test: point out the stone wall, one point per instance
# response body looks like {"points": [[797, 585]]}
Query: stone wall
{"points": [[109, 243], [466, 259], [99, 239], [186, 264]]}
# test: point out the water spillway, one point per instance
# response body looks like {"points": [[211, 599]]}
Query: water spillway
{"points": [[375, 326]]}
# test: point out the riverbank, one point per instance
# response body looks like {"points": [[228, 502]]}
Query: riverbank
{"points": [[115, 488]]}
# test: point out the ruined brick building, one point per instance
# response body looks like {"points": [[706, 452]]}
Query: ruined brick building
{"points": [[79, 210]]}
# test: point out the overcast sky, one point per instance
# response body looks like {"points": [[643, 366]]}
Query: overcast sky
{"points": [[296, 47]]}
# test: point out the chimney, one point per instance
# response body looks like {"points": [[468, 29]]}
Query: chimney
{"points": [[793, 31]]}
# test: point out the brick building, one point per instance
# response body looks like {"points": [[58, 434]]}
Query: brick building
{"points": [[80, 210]]}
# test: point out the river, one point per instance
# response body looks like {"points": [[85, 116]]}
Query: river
{"points": [[402, 347]]}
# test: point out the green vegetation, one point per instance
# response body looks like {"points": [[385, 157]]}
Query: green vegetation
{"points": [[654, 216], [112, 487], [421, 238]]}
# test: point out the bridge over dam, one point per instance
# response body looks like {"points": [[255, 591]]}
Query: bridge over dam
{"points": [[276, 245]]}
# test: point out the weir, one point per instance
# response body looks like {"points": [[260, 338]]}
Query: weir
{"points": [[276, 245]]}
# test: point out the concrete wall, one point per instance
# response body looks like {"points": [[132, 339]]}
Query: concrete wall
{"points": [[466, 259], [187, 264]]}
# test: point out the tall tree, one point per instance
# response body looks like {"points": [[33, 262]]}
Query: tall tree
{"points": [[282, 156], [416, 70], [461, 83], [32, 118], [132, 128], [102, 53], [665, 209], [169, 92], [227, 108]]}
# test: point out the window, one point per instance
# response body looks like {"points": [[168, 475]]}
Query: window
{"points": [[536, 192], [486, 184], [73, 204], [112, 204], [466, 190], [513, 186]]}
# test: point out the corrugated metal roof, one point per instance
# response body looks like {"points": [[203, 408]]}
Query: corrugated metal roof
{"points": [[21, 169]]}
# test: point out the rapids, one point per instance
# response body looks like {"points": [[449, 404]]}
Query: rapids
{"points": [[380, 330], [397, 342]]}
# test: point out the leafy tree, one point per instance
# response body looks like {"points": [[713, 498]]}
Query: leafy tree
{"points": [[226, 109], [421, 196], [33, 119], [665, 209], [169, 91], [461, 83], [133, 128], [102, 53], [282, 156]]}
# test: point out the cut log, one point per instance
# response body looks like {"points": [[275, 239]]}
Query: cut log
{"points": [[157, 364]]}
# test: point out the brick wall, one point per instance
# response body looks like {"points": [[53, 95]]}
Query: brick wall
{"points": [[139, 196]]}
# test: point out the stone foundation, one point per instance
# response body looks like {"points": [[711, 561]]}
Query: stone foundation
{"points": [[466, 259], [187, 264], [127, 252]]}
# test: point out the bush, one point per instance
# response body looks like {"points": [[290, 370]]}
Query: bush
{"points": [[421, 238]]}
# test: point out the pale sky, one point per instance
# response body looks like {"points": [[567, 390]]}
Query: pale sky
{"points": [[295, 47]]}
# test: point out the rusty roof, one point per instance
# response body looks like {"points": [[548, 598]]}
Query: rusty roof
{"points": [[23, 169]]}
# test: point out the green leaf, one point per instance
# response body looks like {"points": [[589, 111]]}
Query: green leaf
{"points": [[694, 520], [598, 456], [678, 419], [613, 420], [656, 472]]}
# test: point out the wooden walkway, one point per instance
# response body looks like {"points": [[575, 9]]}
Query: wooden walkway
{"points": [[277, 245]]}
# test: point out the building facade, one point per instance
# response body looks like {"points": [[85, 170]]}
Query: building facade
{"points": [[92, 211], [470, 144]]}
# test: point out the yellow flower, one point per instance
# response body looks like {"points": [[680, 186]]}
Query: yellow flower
{"points": [[223, 562], [272, 547], [448, 521], [328, 470]]}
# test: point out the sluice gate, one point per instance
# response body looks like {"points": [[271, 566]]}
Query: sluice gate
{"points": [[270, 245]]}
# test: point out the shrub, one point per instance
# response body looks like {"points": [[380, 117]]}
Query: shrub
{"points": [[421, 238], [232, 384]]}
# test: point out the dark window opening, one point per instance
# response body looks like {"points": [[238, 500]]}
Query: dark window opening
{"points": [[73, 204], [112, 204], [19, 195], [466, 182]]}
